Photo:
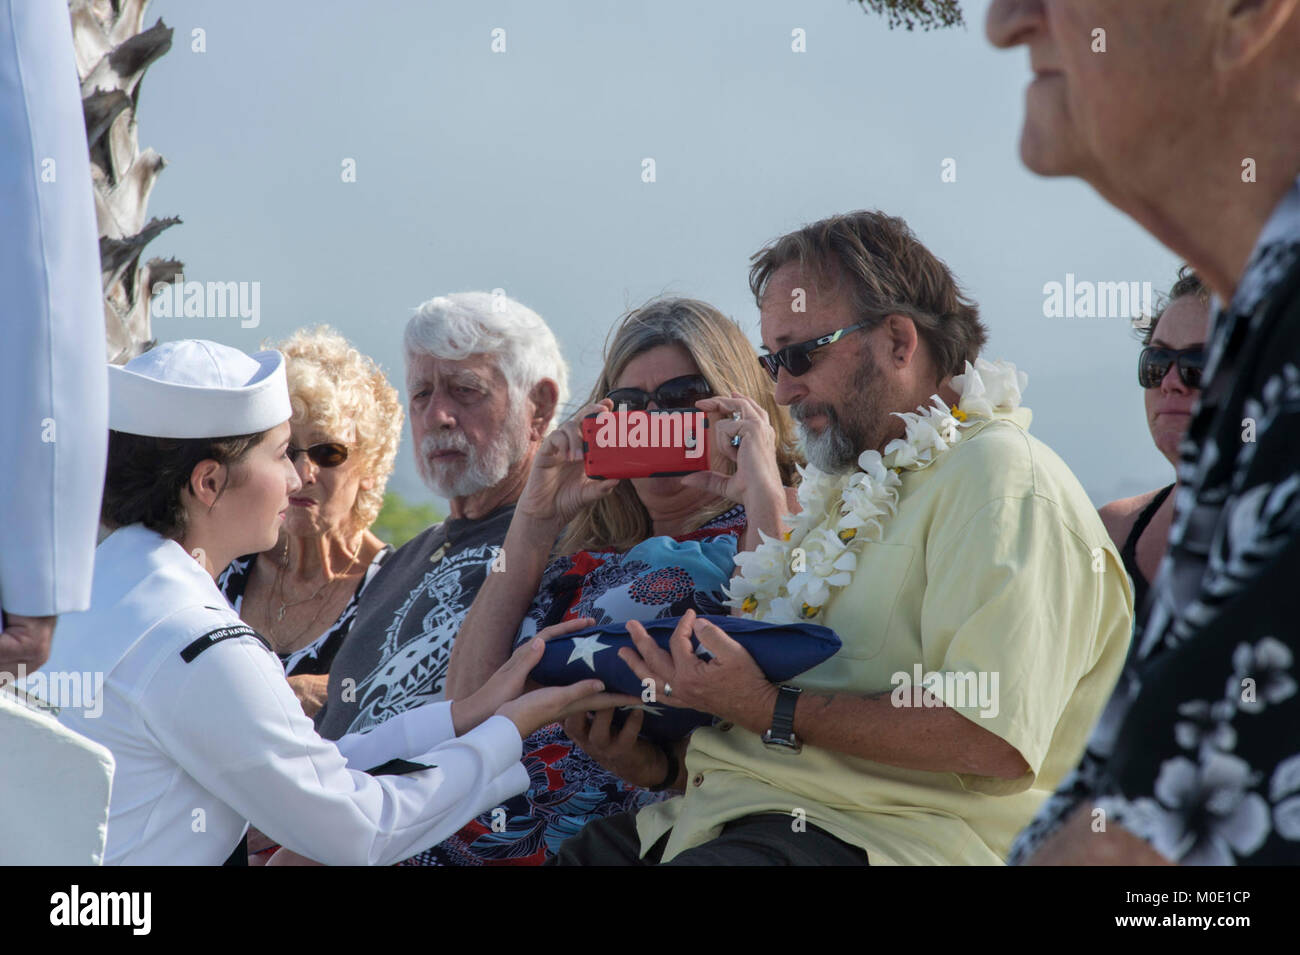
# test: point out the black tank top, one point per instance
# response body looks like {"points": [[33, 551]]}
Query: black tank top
{"points": [[1128, 553]]}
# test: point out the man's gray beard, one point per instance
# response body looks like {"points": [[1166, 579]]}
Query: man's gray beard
{"points": [[480, 471], [831, 451], [835, 450]]}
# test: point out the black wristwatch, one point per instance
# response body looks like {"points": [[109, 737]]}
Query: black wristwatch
{"points": [[782, 732]]}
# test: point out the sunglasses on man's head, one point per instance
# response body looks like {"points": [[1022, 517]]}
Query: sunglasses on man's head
{"points": [[329, 455], [1155, 360], [796, 359], [675, 393]]}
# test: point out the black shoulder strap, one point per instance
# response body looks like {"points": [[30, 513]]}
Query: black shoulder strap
{"points": [[397, 767], [213, 637], [1129, 550], [240, 855]]}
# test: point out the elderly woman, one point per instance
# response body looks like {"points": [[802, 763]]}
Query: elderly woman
{"points": [[1169, 370], [612, 551], [302, 594]]}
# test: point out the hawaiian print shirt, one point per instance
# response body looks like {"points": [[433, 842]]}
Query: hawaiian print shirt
{"points": [[1198, 751]]}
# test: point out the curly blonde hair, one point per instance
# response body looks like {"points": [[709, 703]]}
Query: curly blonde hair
{"points": [[336, 388]]}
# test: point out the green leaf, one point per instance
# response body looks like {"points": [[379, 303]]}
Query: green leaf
{"points": [[400, 520]]}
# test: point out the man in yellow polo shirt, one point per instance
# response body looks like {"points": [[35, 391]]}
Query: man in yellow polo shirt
{"points": [[983, 610]]}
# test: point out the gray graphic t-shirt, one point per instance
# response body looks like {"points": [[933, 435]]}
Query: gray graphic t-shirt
{"points": [[396, 656]]}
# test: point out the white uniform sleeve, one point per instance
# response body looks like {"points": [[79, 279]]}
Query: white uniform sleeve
{"points": [[53, 376], [231, 721], [404, 736]]}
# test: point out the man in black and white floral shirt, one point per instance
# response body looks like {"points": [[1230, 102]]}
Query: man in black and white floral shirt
{"points": [[1191, 124]]}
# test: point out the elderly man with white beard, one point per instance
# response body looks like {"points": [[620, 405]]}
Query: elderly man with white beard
{"points": [[484, 376]]}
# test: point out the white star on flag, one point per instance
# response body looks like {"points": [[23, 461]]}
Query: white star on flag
{"points": [[585, 649]]}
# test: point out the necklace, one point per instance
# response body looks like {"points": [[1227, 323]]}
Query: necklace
{"points": [[792, 578], [278, 641], [279, 580], [449, 541]]}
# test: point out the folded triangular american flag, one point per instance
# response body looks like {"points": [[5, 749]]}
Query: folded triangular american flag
{"points": [[782, 651]]}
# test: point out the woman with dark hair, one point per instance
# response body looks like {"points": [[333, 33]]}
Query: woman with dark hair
{"points": [[205, 731], [1169, 371]]}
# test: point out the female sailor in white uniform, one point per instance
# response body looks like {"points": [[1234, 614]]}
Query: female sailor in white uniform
{"points": [[194, 706]]}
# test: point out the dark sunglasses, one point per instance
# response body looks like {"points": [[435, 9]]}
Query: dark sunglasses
{"points": [[675, 393], [329, 455], [1154, 362], [795, 358]]}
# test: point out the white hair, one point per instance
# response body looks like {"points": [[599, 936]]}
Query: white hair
{"points": [[453, 327]]}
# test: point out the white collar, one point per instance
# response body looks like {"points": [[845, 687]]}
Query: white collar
{"points": [[136, 550]]}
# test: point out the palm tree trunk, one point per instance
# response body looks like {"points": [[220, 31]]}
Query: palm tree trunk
{"points": [[113, 51]]}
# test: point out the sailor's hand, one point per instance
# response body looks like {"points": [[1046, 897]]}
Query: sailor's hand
{"points": [[25, 642], [552, 704], [284, 856], [508, 682]]}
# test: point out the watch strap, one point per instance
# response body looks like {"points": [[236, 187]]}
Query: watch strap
{"points": [[782, 731]]}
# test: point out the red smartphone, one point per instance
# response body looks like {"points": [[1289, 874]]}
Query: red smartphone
{"points": [[638, 444]]}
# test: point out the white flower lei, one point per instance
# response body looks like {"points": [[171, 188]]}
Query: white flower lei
{"points": [[769, 587]]}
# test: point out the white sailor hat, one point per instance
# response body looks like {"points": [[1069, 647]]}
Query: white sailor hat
{"points": [[198, 389]]}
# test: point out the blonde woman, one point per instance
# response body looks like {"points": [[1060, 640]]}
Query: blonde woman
{"points": [[302, 594], [612, 551]]}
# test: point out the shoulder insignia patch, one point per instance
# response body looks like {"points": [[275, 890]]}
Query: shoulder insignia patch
{"points": [[213, 637]]}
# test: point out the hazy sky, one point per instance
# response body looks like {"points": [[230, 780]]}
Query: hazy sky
{"points": [[523, 170]]}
